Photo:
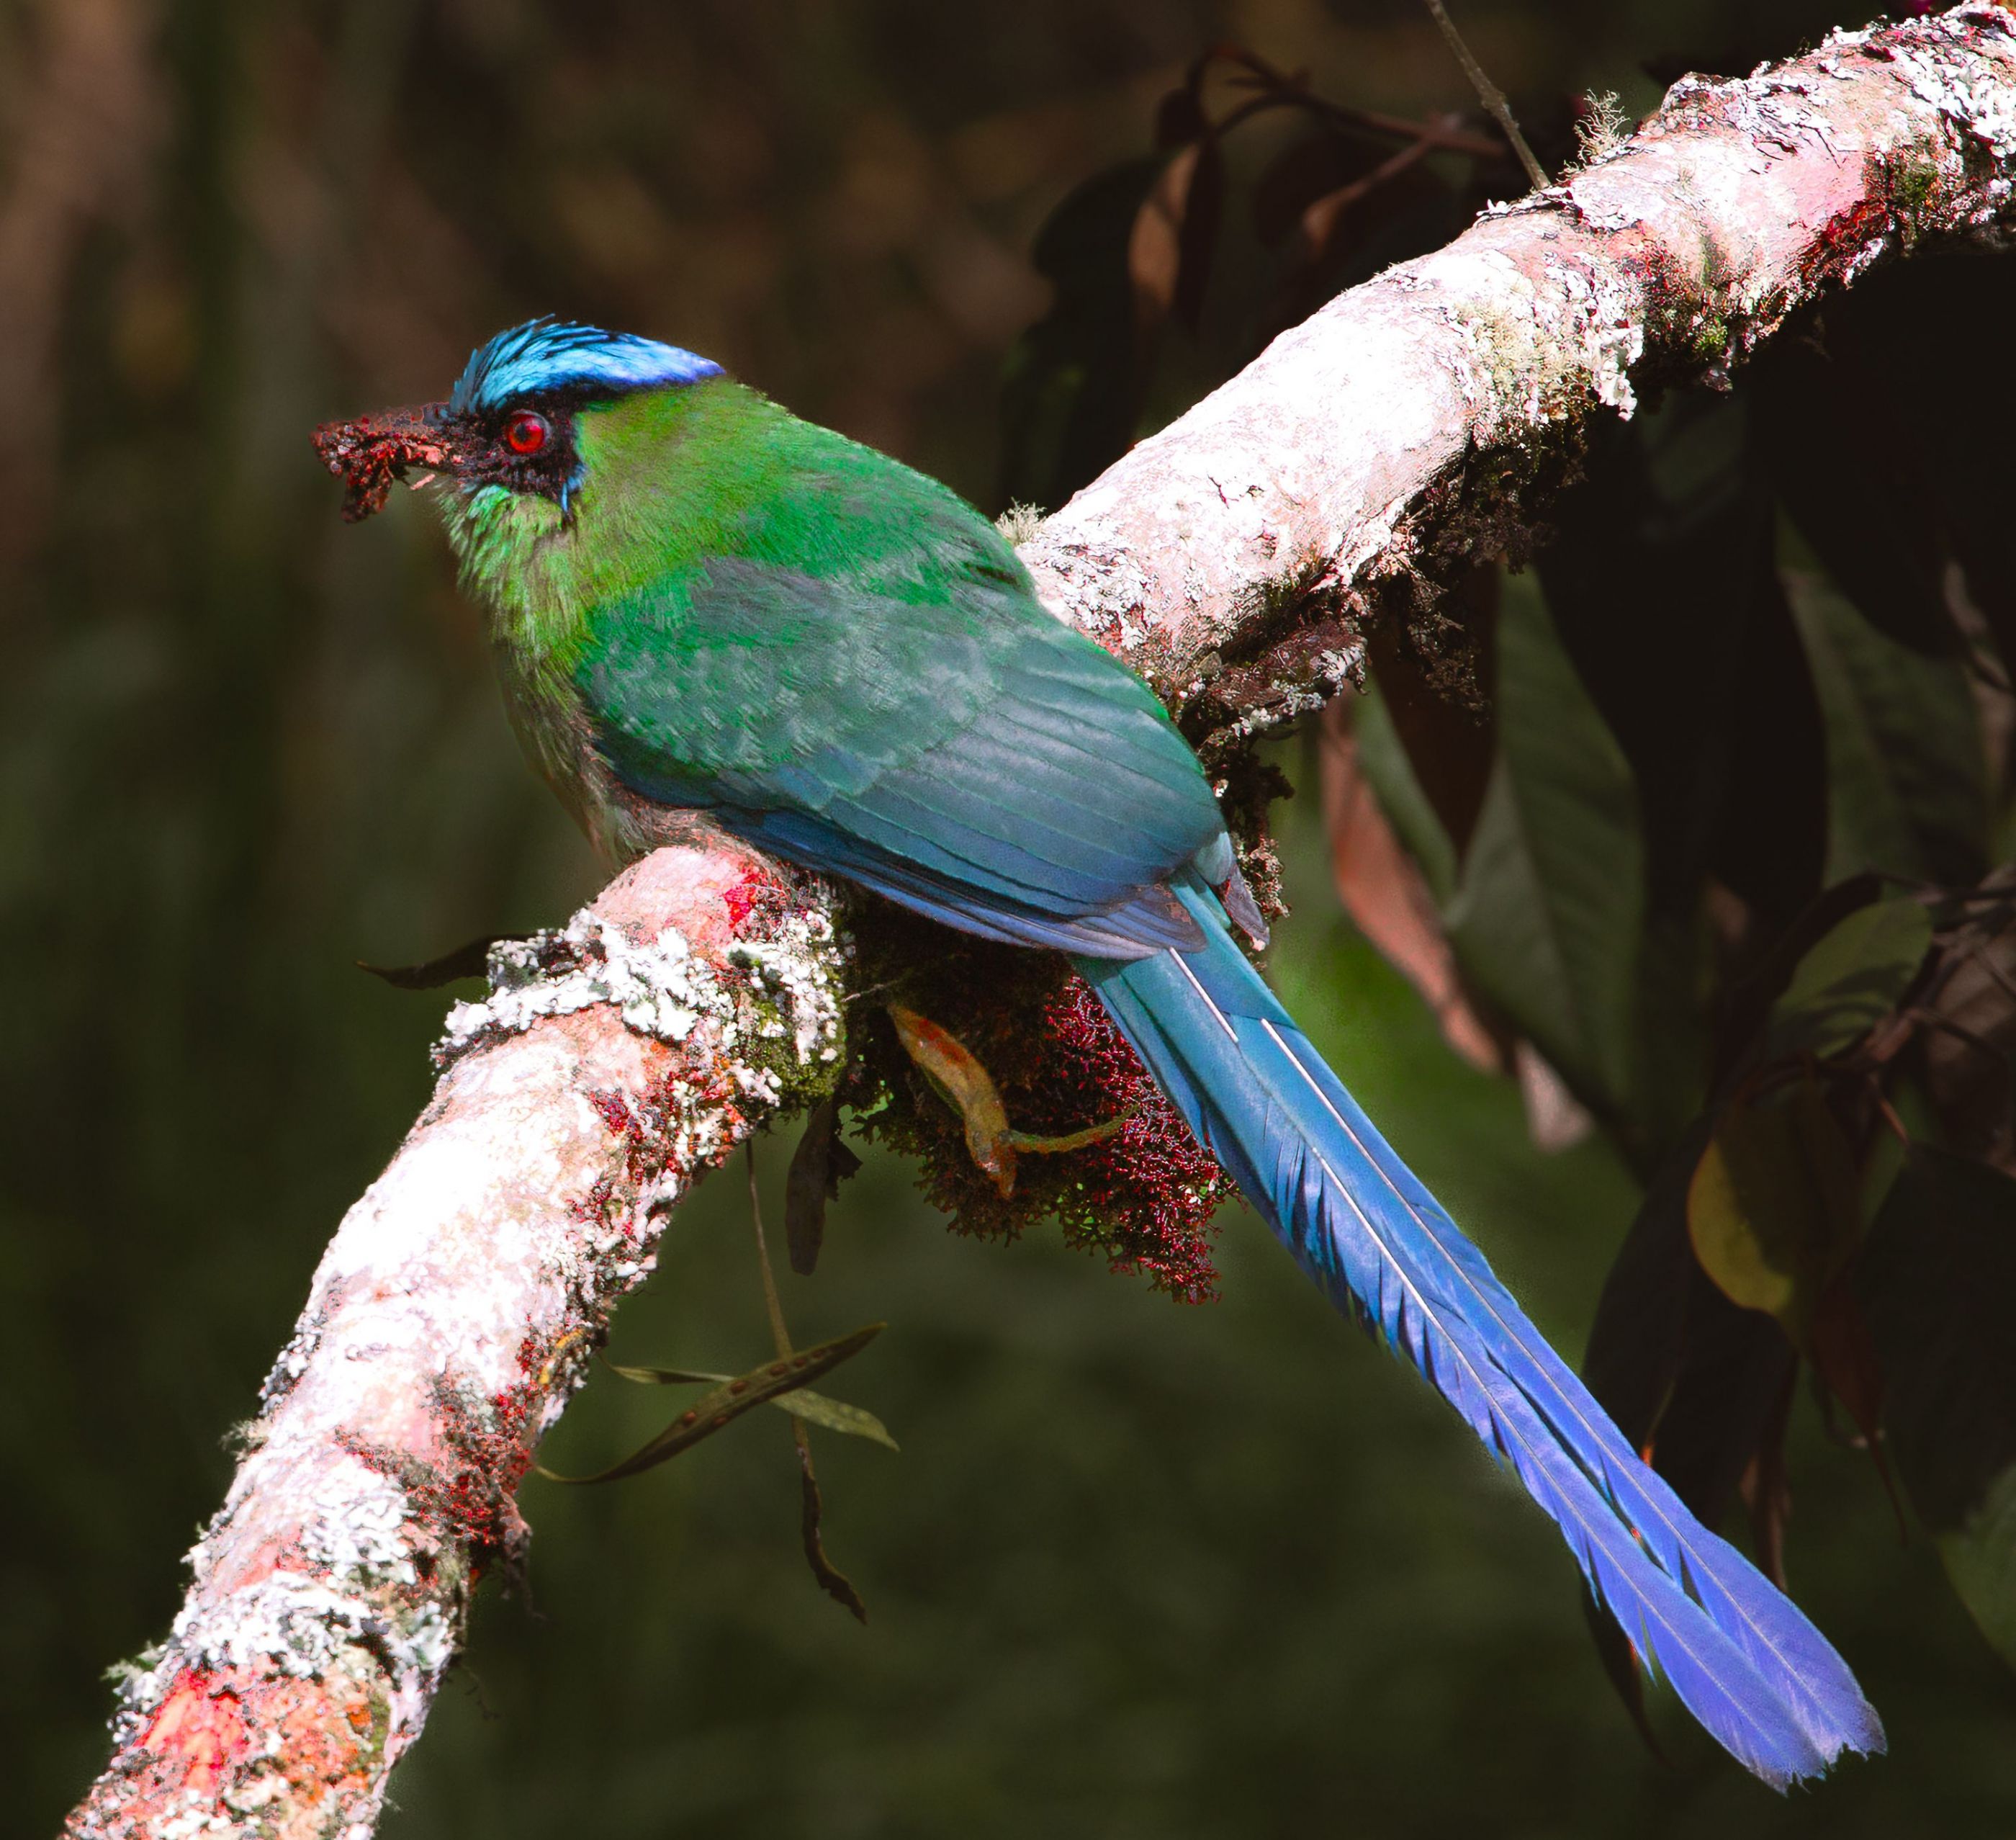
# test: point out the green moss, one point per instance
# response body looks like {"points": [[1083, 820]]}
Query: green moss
{"points": [[1908, 186]]}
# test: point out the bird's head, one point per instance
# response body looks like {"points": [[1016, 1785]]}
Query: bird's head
{"points": [[510, 422]]}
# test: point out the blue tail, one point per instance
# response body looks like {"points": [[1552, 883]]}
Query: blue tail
{"points": [[1743, 1659]]}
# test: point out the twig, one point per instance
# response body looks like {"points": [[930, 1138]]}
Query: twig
{"points": [[832, 1580], [1489, 94]]}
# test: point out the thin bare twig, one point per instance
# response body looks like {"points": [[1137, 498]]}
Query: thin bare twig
{"points": [[1489, 94]]}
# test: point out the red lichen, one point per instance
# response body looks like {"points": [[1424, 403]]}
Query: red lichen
{"points": [[465, 1498], [217, 1732], [764, 896], [1844, 240], [202, 1724]]}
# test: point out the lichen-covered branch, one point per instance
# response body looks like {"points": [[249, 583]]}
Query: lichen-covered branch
{"points": [[1420, 424], [449, 1323], [1415, 426]]}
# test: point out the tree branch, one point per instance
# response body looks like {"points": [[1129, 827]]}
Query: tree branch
{"points": [[1414, 425], [1423, 422], [450, 1322]]}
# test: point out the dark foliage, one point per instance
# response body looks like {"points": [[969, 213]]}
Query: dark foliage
{"points": [[1728, 833]]}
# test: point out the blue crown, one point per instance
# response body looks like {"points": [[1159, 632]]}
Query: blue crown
{"points": [[548, 353]]}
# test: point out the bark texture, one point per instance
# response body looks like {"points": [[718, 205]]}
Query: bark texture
{"points": [[1412, 426], [1422, 422]]}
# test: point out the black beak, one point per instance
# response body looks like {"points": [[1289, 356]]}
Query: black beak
{"points": [[367, 455]]}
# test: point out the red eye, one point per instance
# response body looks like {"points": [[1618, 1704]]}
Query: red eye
{"points": [[526, 433]]}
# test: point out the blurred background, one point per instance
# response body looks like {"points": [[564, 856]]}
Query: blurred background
{"points": [[1139, 1568]]}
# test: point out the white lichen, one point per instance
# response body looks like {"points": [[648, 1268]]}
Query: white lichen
{"points": [[1602, 130], [662, 988], [659, 986], [1019, 522], [1964, 89], [800, 967]]}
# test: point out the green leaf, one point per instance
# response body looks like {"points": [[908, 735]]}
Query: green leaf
{"points": [[1935, 1281], [1773, 1209], [1907, 772], [469, 960], [666, 1376], [714, 1411], [1852, 976], [832, 1415], [1980, 1558], [1550, 905], [836, 1415]]}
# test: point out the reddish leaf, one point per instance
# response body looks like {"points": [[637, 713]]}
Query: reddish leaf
{"points": [[1155, 244], [1203, 209], [1844, 1355], [1449, 747], [1767, 1491], [959, 1079], [1388, 898]]}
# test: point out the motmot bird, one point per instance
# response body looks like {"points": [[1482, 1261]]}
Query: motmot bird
{"points": [[701, 603]]}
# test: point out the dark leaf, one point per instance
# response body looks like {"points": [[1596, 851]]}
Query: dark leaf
{"points": [[1621, 1666], [1906, 770], [1767, 1491], [1828, 436], [1850, 978], [1749, 998], [832, 1415], [1935, 1283], [1180, 115], [1693, 1381], [1312, 166], [1449, 748], [1844, 1356], [472, 960], [716, 1409], [1548, 911], [1961, 410], [1072, 391], [832, 1580], [1663, 586], [1890, 429], [818, 1165], [1968, 1062], [1203, 209]]}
